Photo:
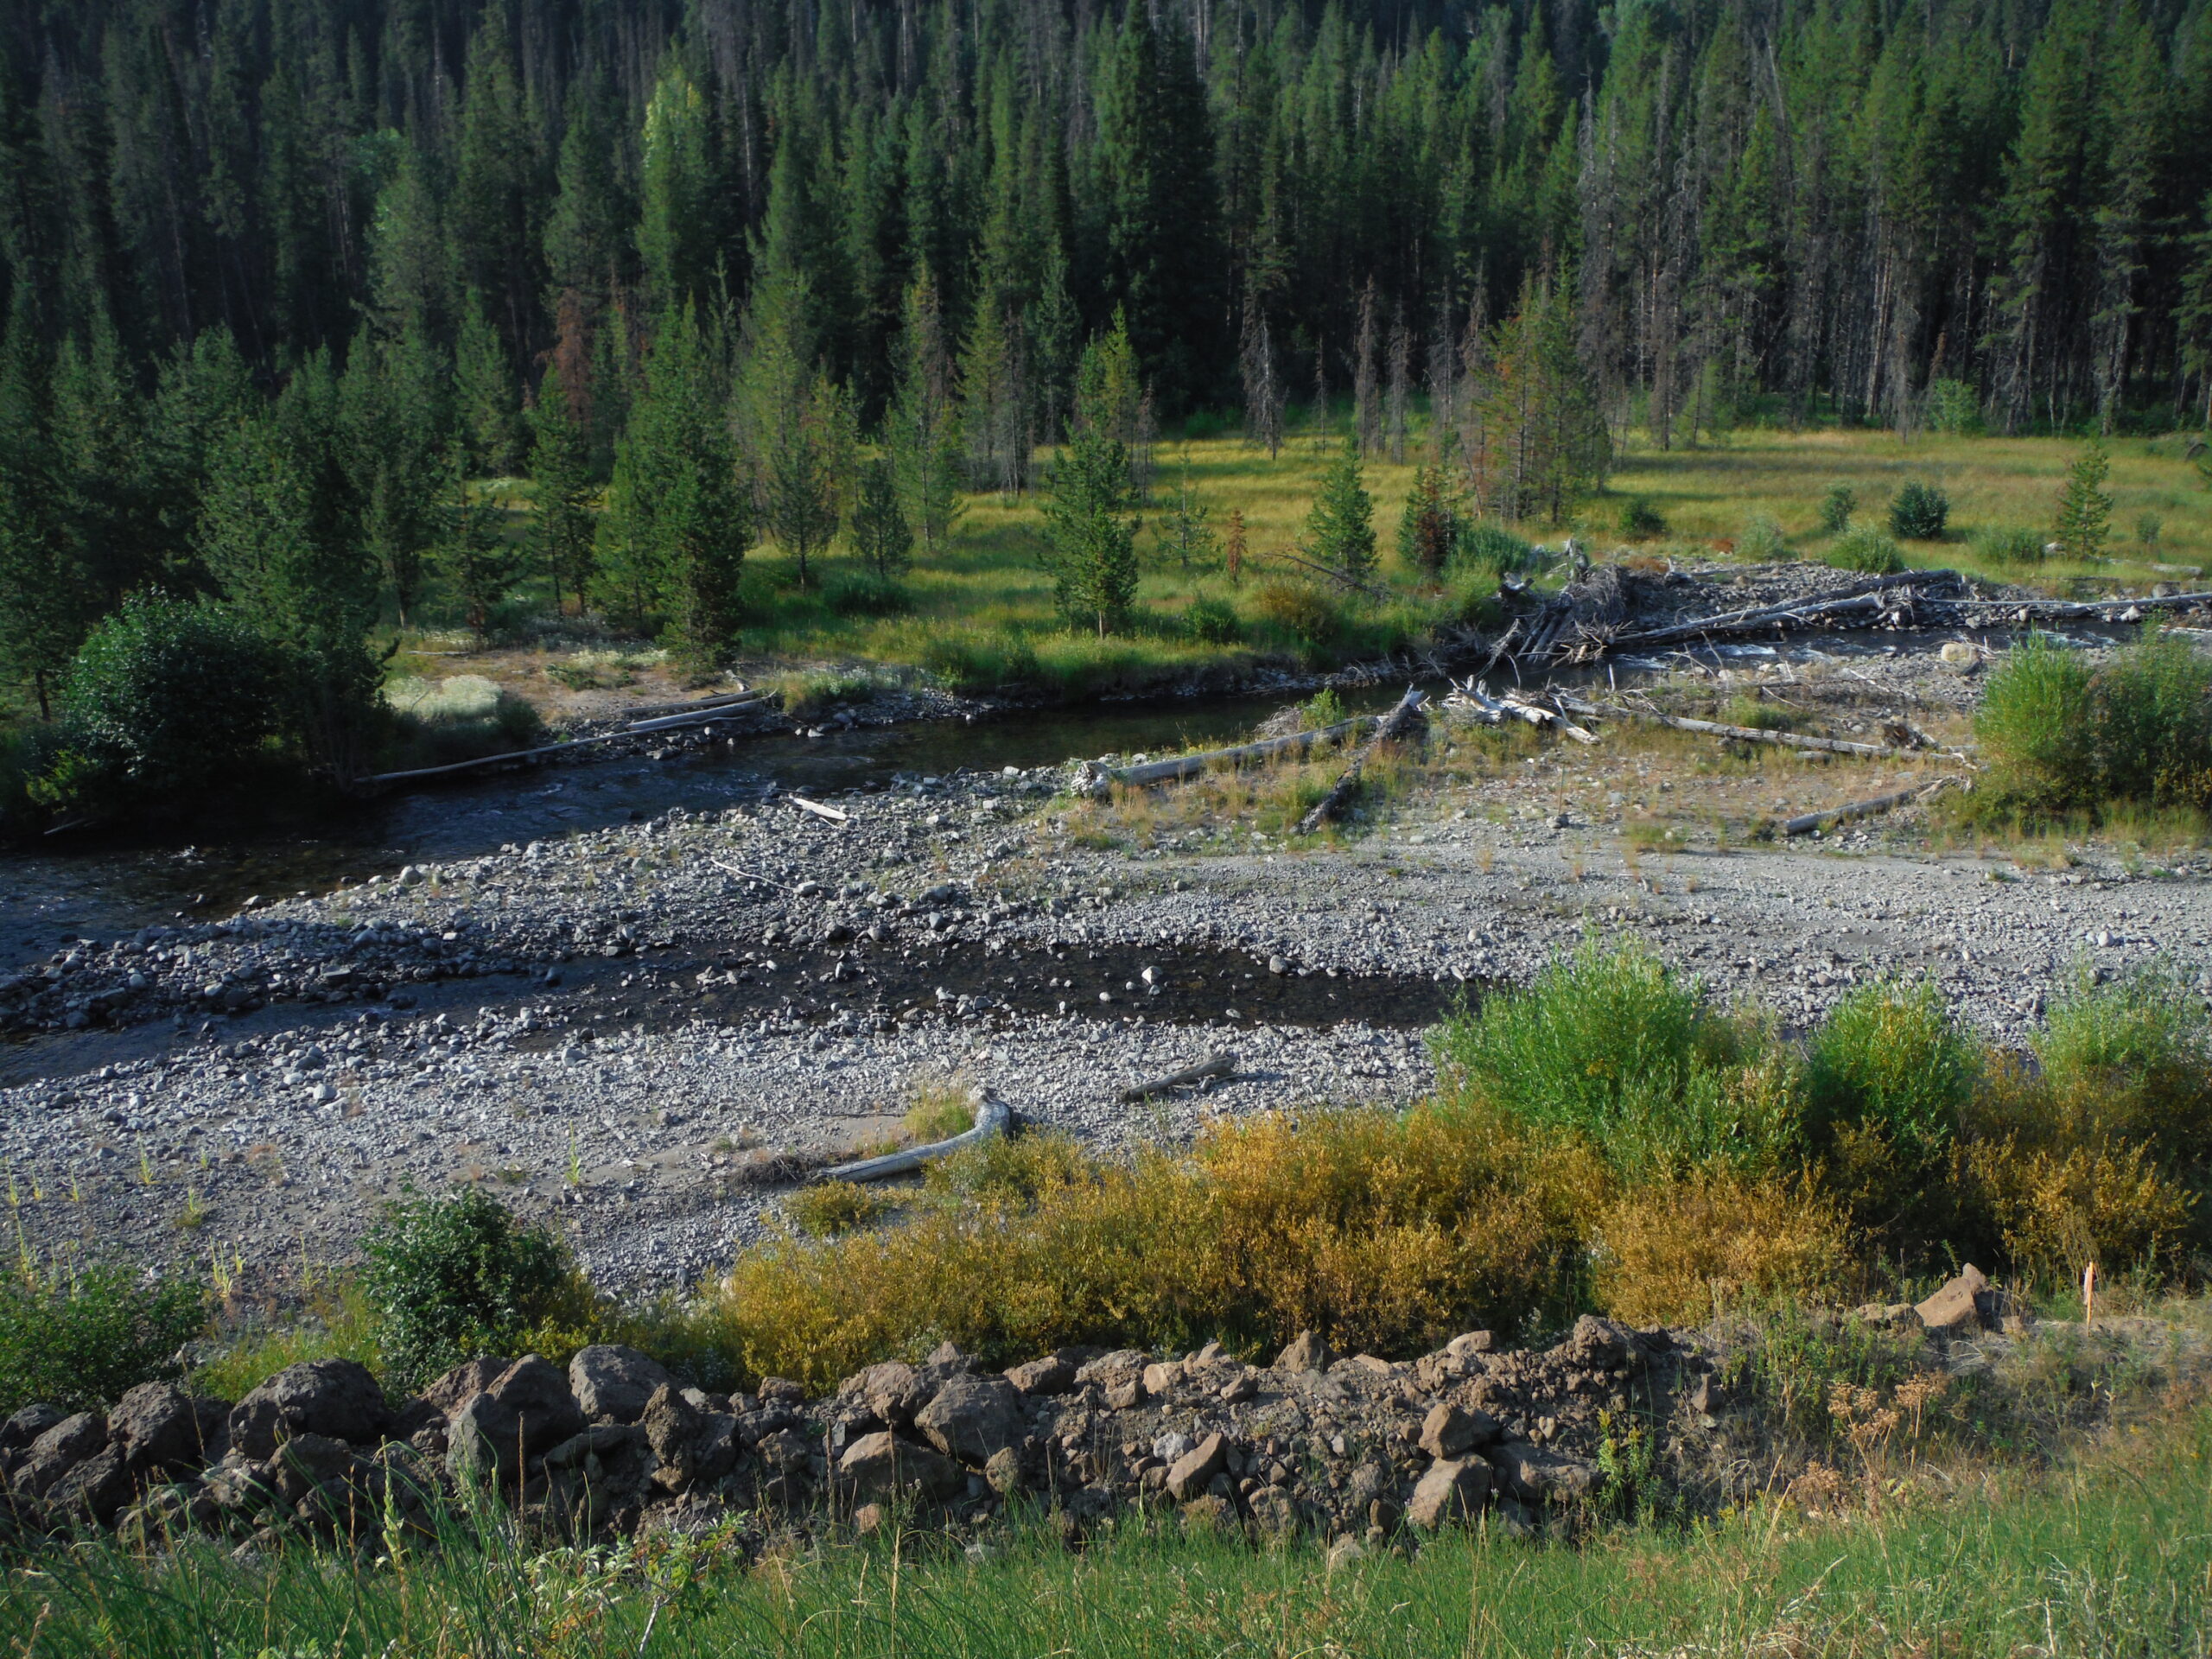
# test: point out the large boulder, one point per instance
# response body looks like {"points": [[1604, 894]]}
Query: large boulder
{"points": [[971, 1417], [612, 1383], [335, 1398], [1598, 1344], [691, 1447], [1191, 1473], [463, 1383], [599, 1475], [98, 1488], [1449, 1431], [538, 1396], [158, 1426], [58, 1450], [880, 1465], [1964, 1303], [27, 1425], [1050, 1374], [1538, 1474], [893, 1392], [1452, 1490], [1307, 1353]]}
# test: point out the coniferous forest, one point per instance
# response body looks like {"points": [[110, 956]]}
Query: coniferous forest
{"points": [[281, 277]]}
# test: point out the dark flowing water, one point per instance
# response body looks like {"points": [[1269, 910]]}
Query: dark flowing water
{"points": [[101, 888]]}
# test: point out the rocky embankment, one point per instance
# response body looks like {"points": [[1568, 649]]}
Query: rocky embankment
{"points": [[1356, 1447]]}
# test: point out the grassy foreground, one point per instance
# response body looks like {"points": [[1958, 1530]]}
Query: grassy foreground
{"points": [[2109, 1555]]}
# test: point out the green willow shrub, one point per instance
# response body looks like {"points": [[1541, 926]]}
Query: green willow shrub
{"points": [[78, 1340], [2033, 726], [2129, 1061], [1836, 508], [1919, 512], [2003, 544], [1614, 1048], [1868, 551], [165, 704], [456, 1278], [1888, 1060], [1214, 622], [1481, 544], [1640, 521], [2153, 724]]}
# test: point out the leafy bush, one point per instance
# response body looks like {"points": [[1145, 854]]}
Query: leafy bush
{"points": [[2008, 545], [1484, 544], [1758, 715], [1919, 511], [1953, 407], [2033, 726], [1762, 539], [1888, 1061], [1324, 708], [864, 592], [164, 704], [2148, 528], [1214, 622], [1867, 550], [1677, 1252], [1387, 1233], [2153, 724], [2054, 735], [78, 1340], [1301, 610], [1613, 1048], [1640, 521], [460, 1278], [831, 1209], [1836, 508], [2130, 1060]]}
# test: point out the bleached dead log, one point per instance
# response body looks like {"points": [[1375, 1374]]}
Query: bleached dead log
{"points": [[1861, 596], [722, 708], [1805, 822], [1179, 767], [491, 759], [724, 865], [993, 1117], [2101, 610], [1751, 733], [1330, 806], [1219, 1065], [737, 693], [834, 815]]}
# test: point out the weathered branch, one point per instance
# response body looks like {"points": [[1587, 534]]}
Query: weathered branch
{"points": [[1219, 1065], [1805, 822], [993, 1117], [1332, 804]]}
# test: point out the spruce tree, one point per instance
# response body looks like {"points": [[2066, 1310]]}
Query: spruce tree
{"points": [[391, 429], [676, 237], [478, 563], [46, 599], [2085, 505], [1340, 526], [880, 535], [677, 525], [559, 473], [486, 396], [1087, 514], [923, 432], [1430, 525], [1187, 532]]}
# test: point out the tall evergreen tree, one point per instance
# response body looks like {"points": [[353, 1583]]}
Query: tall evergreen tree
{"points": [[1087, 515], [560, 475], [1340, 526], [924, 428]]}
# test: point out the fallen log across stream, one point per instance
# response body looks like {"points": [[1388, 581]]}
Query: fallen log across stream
{"points": [[1178, 768], [1332, 806]]}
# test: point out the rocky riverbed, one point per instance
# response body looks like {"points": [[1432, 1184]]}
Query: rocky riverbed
{"points": [[647, 1030]]}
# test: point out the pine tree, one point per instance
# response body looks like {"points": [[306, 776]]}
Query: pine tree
{"points": [[485, 394], [1535, 440], [478, 563], [924, 429], [391, 430], [496, 208], [280, 533], [2085, 505], [1186, 533], [1430, 525], [1340, 526], [46, 599], [677, 525], [559, 473], [880, 535], [675, 238], [585, 250], [1087, 516]]}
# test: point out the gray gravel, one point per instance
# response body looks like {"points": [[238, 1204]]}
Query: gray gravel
{"points": [[626, 1028]]}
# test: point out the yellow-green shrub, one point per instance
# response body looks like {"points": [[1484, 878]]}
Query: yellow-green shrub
{"points": [[2056, 1209], [1675, 1251]]}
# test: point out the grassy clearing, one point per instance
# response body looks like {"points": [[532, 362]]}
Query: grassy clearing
{"points": [[2108, 1556], [981, 615]]}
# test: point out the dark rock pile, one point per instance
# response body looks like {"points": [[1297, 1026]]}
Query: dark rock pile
{"points": [[1358, 1445]]}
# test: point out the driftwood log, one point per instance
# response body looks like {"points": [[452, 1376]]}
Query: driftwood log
{"points": [[1177, 768], [698, 714], [2102, 610], [1399, 719], [1219, 1065], [720, 708], [1861, 596], [830, 814], [994, 1118], [1805, 822], [1753, 733]]}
